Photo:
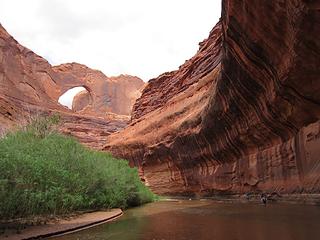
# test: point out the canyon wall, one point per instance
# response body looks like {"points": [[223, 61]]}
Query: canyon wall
{"points": [[108, 94], [29, 86], [25, 80], [242, 115]]}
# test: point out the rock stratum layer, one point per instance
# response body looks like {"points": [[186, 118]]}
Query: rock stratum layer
{"points": [[241, 115], [29, 85]]}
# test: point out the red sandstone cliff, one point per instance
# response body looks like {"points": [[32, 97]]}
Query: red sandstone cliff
{"points": [[25, 79], [30, 85], [242, 114], [170, 107], [108, 94]]}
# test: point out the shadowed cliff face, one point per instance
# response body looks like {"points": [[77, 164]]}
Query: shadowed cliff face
{"points": [[29, 85], [242, 114]]}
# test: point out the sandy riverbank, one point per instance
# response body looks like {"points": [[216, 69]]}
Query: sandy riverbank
{"points": [[64, 226]]}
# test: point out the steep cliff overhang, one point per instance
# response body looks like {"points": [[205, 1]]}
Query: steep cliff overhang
{"points": [[254, 126]]}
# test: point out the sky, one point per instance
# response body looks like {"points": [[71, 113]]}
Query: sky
{"points": [[143, 38], [66, 98]]}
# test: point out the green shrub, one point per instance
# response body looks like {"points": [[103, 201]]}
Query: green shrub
{"points": [[41, 126], [43, 172]]}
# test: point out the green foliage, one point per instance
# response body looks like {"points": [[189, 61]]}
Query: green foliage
{"points": [[43, 172], [42, 126]]}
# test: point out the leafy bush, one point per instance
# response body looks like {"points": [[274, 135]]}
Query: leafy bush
{"points": [[41, 126], [43, 172]]}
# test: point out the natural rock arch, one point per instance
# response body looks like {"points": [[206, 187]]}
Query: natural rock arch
{"points": [[109, 94]]}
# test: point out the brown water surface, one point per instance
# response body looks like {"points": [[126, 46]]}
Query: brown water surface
{"points": [[208, 220]]}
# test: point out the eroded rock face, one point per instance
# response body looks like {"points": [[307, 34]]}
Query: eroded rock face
{"points": [[244, 117], [29, 85], [23, 74], [170, 109], [159, 91], [81, 100], [127, 90], [108, 94], [25, 79]]}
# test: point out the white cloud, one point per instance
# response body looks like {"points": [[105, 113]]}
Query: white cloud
{"points": [[142, 37], [66, 99]]}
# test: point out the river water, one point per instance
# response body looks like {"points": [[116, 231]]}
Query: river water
{"points": [[208, 220]]}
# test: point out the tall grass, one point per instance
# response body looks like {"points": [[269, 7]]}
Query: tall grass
{"points": [[43, 172]]}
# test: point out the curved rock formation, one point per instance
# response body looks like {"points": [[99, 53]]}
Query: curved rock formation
{"points": [[29, 85], [27, 76], [26, 83], [170, 107], [23, 74], [242, 115], [109, 94]]}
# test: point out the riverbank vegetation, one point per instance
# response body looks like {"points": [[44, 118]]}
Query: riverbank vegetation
{"points": [[43, 172]]}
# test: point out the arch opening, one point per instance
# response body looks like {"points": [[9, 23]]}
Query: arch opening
{"points": [[76, 98]]}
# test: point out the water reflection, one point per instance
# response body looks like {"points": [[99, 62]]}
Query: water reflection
{"points": [[209, 220]]}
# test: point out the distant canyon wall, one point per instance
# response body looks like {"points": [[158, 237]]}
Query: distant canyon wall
{"points": [[108, 94], [29, 85]]}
